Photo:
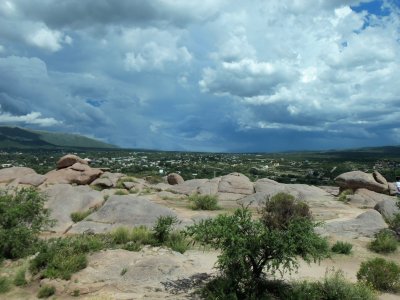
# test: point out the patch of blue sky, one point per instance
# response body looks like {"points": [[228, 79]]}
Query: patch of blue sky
{"points": [[95, 102], [376, 7]]}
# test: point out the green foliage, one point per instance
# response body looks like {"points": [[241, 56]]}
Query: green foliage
{"points": [[384, 242], [46, 291], [19, 279], [383, 275], [132, 246], [250, 247], [281, 209], [142, 235], [333, 287], [121, 192], [5, 285], [123, 271], [163, 227], [177, 242], [204, 202], [342, 247], [22, 217], [80, 215], [343, 195], [61, 257], [121, 235], [154, 179]]}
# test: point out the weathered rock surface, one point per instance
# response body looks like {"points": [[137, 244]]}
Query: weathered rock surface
{"points": [[357, 179], [236, 183], [64, 199], [127, 210], [188, 187], [103, 183], [364, 198], [9, 174], [387, 208], [210, 187], [30, 179], [174, 179], [68, 160], [79, 174], [366, 224]]}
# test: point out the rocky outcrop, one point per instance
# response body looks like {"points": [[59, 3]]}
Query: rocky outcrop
{"points": [[118, 211], [9, 174], [77, 173], [236, 183], [174, 179], [366, 224], [32, 179], [357, 179], [188, 187], [387, 208], [64, 199], [68, 160], [364, 198]]}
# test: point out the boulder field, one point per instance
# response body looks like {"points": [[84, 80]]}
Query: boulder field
{"points": [[114, 199]]}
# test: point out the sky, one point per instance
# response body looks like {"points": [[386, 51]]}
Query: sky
{"points": [[209, 75]]}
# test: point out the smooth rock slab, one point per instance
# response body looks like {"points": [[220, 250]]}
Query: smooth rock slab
{"points": [[387, 208], [357, 179], [9, 174], [236, 183]]}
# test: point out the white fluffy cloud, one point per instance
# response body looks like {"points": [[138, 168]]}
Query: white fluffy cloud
{"points": [[33, 118]]}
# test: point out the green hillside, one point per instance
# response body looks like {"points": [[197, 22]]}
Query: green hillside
{"points": [[22, 138]]}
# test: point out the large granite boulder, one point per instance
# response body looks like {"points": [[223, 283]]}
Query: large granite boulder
{"points": [[64, 199], [130, 211], [364, 198], [366, 224], [68, 160], [78, 173], [174, 178], [236, 183], [32, 179], [9, 174], [357, 179], [188, 187], [388, 208], [210, 187]]}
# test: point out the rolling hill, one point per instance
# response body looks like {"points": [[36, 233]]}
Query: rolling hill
{"points": [[23, 138]]}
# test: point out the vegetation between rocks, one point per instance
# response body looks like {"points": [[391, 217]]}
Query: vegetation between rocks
{"points": [[203, 202], [384, 242], [342, 247], [46, 291]]}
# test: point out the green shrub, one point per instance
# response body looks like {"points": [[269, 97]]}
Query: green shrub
{"points": [[22, 217], [46, 291], [383, 275], [80, 215], [5, 285], [163, 227], [384, 242], [204, 202], [343, 195], [132, 246], [281, 209], [249, 247], [121, 192], [342, 247], [142, 235], [333, 287], [177, 242], [19, 279], [61, 257], [121, 235]]}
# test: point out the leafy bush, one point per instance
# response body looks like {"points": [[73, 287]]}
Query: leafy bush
{"points": [[334, 287], [22, 217], [61, 257], [177, 242], [80, 215], [5, 285], [163, 227], [248, 247], [142, 235], [342, 247], [281, 209], [204, 202], [46, 291], [343, 195], [384, 242], [383, 275], [19, 279]]}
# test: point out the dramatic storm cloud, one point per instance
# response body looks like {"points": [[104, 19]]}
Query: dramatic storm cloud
{"points": [[210, 75]]}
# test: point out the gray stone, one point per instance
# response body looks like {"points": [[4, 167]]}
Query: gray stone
{"points": [[387, 208], [68, 160], [69, 175], [236, 183], [9, 174], [174, 178], [103, 183], [188, 187], [210, 187], [357, 179], [31, 179], [364, 198]]}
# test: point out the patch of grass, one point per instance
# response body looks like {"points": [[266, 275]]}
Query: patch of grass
{"points": [[132, 246], [46, 291], [177, 242], [381, 274], [5, 285], [204, 202], [142, 235], [384, 242], [19, 279], [134, 191], [121, 235], [147, 191], [80, 215], [163, 227], [343, 195], [342, 247], [61, 257], [106, 197], [121, 192], [123, 271], [76, 293]]}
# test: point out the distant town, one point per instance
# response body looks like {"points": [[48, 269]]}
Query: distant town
{"points": [[317, 168]]}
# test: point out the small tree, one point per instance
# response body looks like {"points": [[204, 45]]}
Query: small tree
{"points": [[251, 247], [22, 217]]}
